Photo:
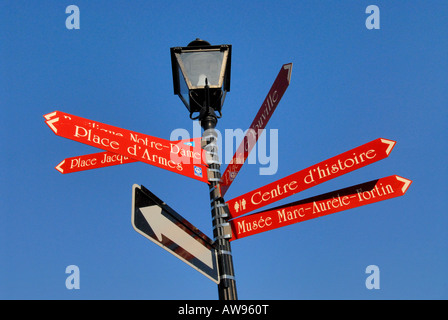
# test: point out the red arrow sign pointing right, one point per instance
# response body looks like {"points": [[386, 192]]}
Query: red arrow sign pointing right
{"points": [[343, 199], [323, 171]]}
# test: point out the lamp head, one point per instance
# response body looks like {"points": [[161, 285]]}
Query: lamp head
{"points": [[201, 75]]}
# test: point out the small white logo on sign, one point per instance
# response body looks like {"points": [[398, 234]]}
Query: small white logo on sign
{"points": [[240, 205], [198, 171]]}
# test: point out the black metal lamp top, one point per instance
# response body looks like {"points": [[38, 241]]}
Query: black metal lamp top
{"points": [[198, 43], [201, 75]]}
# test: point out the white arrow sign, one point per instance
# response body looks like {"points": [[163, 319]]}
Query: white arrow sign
{"points": [[163, 226], [156, 221]]}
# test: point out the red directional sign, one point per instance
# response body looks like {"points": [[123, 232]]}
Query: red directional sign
{"points": [[271, 101], [92, 161], [173, 156], [343, 199], [104, 159], [323, 171]]}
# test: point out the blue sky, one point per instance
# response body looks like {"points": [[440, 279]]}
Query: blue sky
{"points": [[349, 85]]}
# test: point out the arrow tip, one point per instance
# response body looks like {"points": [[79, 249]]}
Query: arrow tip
{"points": [[50, 115], [288, 67], [406, 182], [390, 144], [59, 167], [151, 214]]}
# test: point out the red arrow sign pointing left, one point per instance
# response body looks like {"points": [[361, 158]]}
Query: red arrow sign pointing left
{"points": [[107, 159], [92, 161], [165, 154]]}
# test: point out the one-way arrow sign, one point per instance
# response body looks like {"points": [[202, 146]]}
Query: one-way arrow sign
{"points": [[156, 221]]}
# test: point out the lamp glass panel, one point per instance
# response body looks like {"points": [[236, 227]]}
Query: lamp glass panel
{"points": [[184, 93], [203, 65]]}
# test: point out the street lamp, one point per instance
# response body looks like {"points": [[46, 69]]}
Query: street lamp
{"points": [[201, 76], [201, 79]]}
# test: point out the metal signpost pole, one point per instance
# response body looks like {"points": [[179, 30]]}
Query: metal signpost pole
{"points": [[220, 213]]}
